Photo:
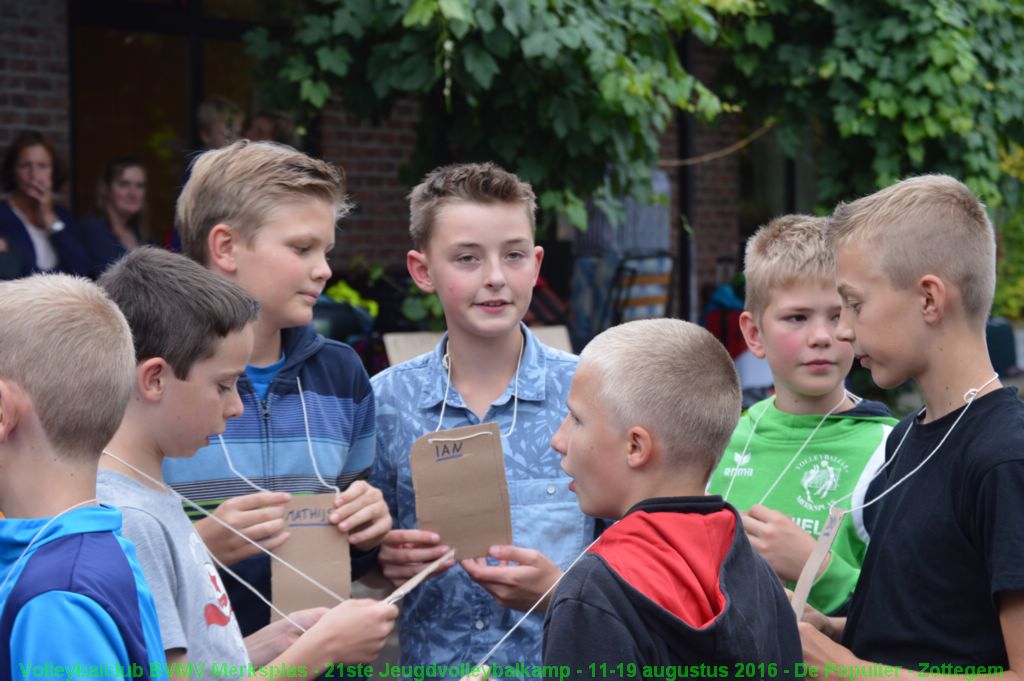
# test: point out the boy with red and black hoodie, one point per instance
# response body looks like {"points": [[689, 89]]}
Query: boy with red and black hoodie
{"points": [[675, 582]]}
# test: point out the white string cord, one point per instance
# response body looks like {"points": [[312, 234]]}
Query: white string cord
{"points": [[800, 451], [309, 440], [231, 529], [432, 440], [969, 397], [231, 466], [35, 538], [753, 429], [534, 606], [446, 361], [746, 446]]}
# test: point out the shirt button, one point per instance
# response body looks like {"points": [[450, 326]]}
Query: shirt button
{"points": [[479, 624], [551, 489]]}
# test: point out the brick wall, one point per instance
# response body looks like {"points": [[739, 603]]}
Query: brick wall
{"points": [[34, 90], [34, 93], [715, 222], [378, 229]]}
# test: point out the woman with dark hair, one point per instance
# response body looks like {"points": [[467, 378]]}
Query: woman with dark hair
{"points": [[38, 233], [120, 226]]}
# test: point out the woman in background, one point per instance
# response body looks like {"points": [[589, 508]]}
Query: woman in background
{"points": [[38, 233], [120, 225]]}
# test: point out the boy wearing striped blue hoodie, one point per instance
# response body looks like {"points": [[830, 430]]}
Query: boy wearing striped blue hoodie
{"points": [[263, 215]]}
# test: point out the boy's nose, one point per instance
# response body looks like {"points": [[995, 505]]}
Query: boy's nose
{"points": [[821, 335], [235, 406], [558, 439], [844, 330], [322, 271], [495, 275]]}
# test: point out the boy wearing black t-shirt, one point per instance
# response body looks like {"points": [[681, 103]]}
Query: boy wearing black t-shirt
{"points": [[941, 590]]}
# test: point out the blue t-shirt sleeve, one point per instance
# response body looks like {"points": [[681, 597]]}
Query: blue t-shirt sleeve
{"points": [[64, 629]]}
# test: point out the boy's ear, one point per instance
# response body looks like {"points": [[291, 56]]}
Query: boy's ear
{"points": [[934, 298], [640, 447], [151, 378], [419, 269], [538, 253], [12, 404], [752, 334], [221, 243]]}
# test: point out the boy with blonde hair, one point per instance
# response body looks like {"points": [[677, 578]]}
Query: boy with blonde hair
{"points": [[674, 582], [472, 227], [941, 590], [193, 338], [263, 215], [72, 595], [812, 444]]}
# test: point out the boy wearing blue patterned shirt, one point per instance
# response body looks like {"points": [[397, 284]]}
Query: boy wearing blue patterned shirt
{"points": [[263, 215], [472, 227]]}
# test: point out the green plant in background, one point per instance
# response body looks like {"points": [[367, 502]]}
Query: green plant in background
{"points": [[887, 88], [1009, 298], [341, 292], [569, 94], [423, 307]]}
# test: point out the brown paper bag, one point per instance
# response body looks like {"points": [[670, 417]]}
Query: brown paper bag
{"points": [[317, 548], [458, 476]]}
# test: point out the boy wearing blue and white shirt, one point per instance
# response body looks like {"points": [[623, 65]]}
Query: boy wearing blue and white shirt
{"points": [[472, 227], [72, 594]]}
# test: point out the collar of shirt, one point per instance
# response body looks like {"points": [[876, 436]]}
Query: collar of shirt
{"points": [[532, 376]]}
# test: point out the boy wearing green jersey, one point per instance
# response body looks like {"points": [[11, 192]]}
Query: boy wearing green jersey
{"points": [[812, 444]]}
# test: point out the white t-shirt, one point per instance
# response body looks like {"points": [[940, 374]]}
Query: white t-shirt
{"points": [[46, 255]]}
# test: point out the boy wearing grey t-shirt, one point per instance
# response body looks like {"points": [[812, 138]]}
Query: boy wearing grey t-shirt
{"points": [[193, 338]]}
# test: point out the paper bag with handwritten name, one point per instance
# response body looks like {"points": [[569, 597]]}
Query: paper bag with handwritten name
{"points": [[317, 548], [458, 476]]}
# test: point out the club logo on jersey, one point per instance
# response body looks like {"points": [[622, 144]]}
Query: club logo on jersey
{"points": [[820, 476]]}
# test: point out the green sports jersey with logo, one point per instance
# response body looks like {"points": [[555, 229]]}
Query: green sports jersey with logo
{"points": [[835, 466]]}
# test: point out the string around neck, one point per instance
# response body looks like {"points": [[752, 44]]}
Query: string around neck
{"points": [[792, 460], [969, 398], [446, 361], [273, 556]]}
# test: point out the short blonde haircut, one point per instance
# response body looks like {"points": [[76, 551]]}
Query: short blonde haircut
{"points": [[69, 348], [673, 378], [484, 183], [930, 224], [788, 250], [241, 184]]}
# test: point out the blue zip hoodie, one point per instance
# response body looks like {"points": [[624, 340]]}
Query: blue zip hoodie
{"points": [[268, 444]]}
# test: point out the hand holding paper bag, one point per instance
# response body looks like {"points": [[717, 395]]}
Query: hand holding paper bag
{"points": [[362, 512], [258, 516]]}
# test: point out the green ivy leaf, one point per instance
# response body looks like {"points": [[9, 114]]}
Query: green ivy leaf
{"points": [[455, 10], [421, 13], [316, 29], [759, 33], [334, 60], [540, 44], [316, 92], [480, 65], [259, 45]]}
